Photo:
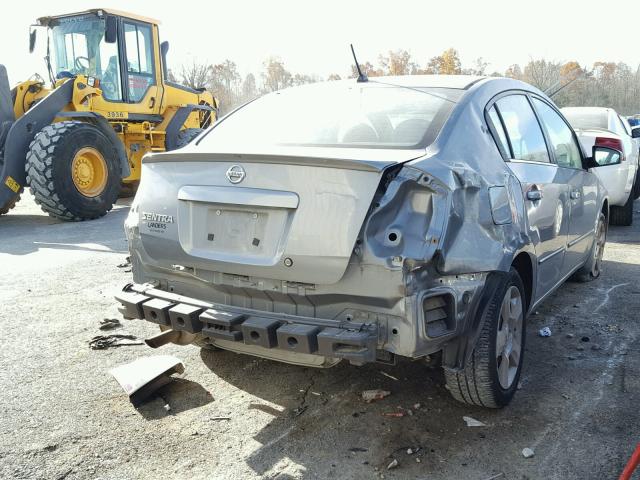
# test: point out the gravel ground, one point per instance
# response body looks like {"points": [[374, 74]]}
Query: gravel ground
{"points": [[64, 416]]}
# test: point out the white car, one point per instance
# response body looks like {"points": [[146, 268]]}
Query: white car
{"points": [[603, 127]]}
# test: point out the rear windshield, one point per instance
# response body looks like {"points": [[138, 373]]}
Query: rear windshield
{"points": [[579, 118], [338, 114]]}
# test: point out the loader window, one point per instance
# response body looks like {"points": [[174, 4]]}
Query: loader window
{"points": [[138, 43], [110, 68], [79, 48]]}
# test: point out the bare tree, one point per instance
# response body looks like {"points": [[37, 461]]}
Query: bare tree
{"points": [[448, 63], [605, 83], [542, 74], [224, 80], [301, 79], [195, 75], [249, 89], [368, 69], [479, 67], [275, 76], [397, 63]]}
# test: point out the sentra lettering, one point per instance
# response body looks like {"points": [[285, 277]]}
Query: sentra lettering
{"points": [[157, 217]]}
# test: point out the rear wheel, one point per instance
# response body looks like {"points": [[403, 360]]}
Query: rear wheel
{"points": [[623, 216], [73, 172], [490, 378]]}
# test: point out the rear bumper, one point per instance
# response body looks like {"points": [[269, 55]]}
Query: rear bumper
{"points": [[226, 326]]}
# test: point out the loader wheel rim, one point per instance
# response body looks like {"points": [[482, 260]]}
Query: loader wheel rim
{"points": [[89, 172]]}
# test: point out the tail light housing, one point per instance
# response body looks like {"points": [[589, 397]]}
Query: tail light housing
{"points": [[614, 143]]}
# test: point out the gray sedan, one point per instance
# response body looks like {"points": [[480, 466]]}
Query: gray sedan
{"points": [[363, 221]]}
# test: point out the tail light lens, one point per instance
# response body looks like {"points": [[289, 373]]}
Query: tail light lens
{"points": [[614, 143]]}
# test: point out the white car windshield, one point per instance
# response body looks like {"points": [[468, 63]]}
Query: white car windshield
{"points": [[338, 114]]}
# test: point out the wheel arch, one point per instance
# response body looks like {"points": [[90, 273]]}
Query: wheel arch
{"points": [[605, 209], [523, 264]]}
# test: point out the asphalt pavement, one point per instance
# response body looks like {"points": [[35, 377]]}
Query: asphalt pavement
{"points": [[238, 417]]}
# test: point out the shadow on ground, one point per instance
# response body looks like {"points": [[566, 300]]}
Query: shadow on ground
{"points": [[30, 233], [321, 410], [181, 395]]}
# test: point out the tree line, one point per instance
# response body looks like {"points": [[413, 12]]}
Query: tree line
{"points": [[603, 84]]}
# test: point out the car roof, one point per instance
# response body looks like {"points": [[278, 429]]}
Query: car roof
{"points": [[434, 81]]}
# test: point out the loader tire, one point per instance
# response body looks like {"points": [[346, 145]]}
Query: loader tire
{"points": [[10, 205], [186, 136], [128, 190], [73, 171]]}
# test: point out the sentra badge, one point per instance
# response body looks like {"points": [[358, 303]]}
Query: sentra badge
{"points": [[157, 221]]}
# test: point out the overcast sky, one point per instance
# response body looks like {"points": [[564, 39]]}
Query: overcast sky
{"points": [[313, 36]]}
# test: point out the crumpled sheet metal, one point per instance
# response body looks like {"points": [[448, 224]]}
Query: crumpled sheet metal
{"points": [[142, 377]]}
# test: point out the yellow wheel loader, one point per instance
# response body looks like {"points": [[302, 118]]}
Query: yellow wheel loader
{"points": [[78, 144]]}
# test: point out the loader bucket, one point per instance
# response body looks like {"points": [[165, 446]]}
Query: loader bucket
{"points": [[6, 121], [6, 103], [13, 149]]}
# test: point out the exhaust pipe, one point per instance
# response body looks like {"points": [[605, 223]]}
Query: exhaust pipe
{"points": [[168, 336]]}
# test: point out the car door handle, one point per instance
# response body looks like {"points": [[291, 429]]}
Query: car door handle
{"points": [[534, 193], [575, 194]]}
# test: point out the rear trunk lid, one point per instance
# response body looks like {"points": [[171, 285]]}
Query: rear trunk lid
{"points": [[291, 214]]}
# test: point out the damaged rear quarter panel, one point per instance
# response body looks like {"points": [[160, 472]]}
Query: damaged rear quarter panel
{"points": [[465, 161]]}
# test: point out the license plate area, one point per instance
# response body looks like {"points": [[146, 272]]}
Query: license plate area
{"points": [[213, 227]]}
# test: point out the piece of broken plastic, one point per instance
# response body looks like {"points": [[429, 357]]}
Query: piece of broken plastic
{"points": [[472, 422], [545, 332], [143, 376], [371, 395]]}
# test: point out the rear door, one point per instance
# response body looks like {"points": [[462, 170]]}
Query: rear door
{"points": [[545, 190], [583, 185]]}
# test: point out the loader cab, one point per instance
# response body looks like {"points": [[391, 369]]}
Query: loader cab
{"points": [[118, 53]]}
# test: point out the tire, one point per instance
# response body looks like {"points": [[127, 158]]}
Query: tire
{"points": [[128, 190], [636, 186], [486, 380], [593, 267], [57, 187], [623, 216], [10, 205], [186, 136]]}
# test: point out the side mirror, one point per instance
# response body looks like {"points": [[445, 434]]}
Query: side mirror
{"points": [[635, 132], [32, 39], [603, 156], [111, 29]]}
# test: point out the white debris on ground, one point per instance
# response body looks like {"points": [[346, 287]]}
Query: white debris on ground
{"points": [[528, 452], [371, 395], [545, 332], [472, 422]]}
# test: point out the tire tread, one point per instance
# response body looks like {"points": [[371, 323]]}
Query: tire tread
{"points": [[39, 169]]}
